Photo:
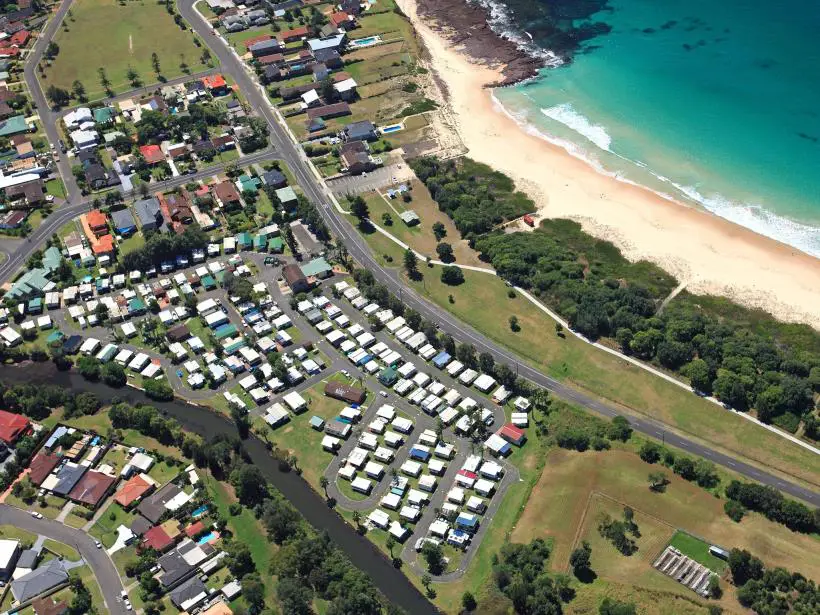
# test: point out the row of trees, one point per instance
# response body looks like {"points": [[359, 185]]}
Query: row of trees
{"points": [[165, 246], [745, 360], [774, 506]]}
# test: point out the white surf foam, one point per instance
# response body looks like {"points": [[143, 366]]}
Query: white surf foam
{"points": [[755, 217], [569, 117]]}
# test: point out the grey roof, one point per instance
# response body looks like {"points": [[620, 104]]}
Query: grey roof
{"points": [[68, 476], [27, 559], [38, 581], [174, 568], [153, 506], [274, 178], [147, 210], [188, 590], [263, 46], [140, 525], [122, 218], [360, 130]]}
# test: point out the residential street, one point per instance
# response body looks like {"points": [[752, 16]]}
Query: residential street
{"points": [[98, 560]]}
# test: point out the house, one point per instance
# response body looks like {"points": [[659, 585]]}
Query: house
{"points": [[295, 279], [317, 268], [26, 194], [92, 489], [224, 143], [257, 17], [274, 178], [360, 131], [158, 539], [47, 606], [179, 207], [328, 57], [123, 221], [329, 111], [96, 176], [154, 103], [335, 41], [265, 48], [41, 466], [512, 434], [12, 427], [149, 214], [227, 194], [346, 89], [178, 151], [215, 84], [39, 581], [294, 35], [152, 154], [355, 158], [342, 21], [77, 117], [134, 488], [234, 23], [189, 595], [9, 553], [287, 197], [344, 392]]}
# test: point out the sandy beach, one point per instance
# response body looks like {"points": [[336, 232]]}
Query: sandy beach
{"points": [[711, 255]]}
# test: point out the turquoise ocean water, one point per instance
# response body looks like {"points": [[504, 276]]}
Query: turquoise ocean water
{"points": [[714, 103]]}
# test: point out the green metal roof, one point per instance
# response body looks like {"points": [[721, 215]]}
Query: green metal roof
{"points": [[276, 244], [244, 239], [208, 282], [13, 126], [103, 115], [316, 267], [286, 194]]}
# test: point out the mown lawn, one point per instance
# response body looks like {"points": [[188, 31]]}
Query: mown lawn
{"points": [[106, 34], [105, 529]]}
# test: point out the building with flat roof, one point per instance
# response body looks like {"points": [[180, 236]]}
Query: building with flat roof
{"points": [[9, 553], [345, 392]]}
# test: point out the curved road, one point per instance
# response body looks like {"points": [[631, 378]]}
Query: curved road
{"points": [[318, 195], [97, 559]]}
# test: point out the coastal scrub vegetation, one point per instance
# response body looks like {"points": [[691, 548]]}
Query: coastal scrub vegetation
{"points": [[745, 358]]}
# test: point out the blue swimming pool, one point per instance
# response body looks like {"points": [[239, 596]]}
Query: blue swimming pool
{"points": [[365, 42], [200, 511], [206, 538], [393, 128]]}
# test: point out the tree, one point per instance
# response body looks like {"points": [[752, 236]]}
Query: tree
{"points": [[359, 208], [658, 481], [514, 326], [744, 566], [254, 591], [434, 556], [52, 50], [89, 368], [650, 452], [133, 77], [327, 91], [486, 362], [241, 420], [113, 374], [452, 275], [387, 219], [700, 376], [158, 389], [445, 252], [390, 543], [439, 231], [426, 579], [715, 591], [155, 63], [619, 429], [410, 262], [734, 510], [323, 483], [580, 559], [251, 487], [468, 601], [104, 81], [206, 56], [58, 96]]}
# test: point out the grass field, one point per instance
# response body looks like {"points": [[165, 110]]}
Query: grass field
{"points": [[62, 550], [56, 188], [10, 532], [300, 439], [561, 503], [420, 237], [105, 529], [698, 550], [103, 33]]}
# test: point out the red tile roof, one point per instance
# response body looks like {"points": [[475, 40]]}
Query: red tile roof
{"points": [[134, 488], [511, 433], [157, 538], [252, 41], [104, 245], [339, 18], [295, 33], [41, 466], [92, 488], [96, 219], [12, 426], [213, 82], [271, 59], [20, 38], [152, 153], [194, 529]]}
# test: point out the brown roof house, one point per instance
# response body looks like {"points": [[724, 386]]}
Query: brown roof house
{"points": [[92, 488], [227, 194], [344, 392], [295, 279], [356, 159]]}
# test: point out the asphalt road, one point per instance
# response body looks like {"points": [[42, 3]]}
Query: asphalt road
{"points": [[97, 559]]}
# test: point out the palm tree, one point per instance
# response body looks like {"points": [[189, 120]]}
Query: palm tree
{"points": [[391, 542], [426, 580], [323, 483], [357, 518]]}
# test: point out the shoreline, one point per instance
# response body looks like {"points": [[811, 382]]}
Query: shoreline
{"points": [[710, 254]]}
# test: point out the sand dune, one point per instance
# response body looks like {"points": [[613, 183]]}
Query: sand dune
{"points": [[712, 255]]}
